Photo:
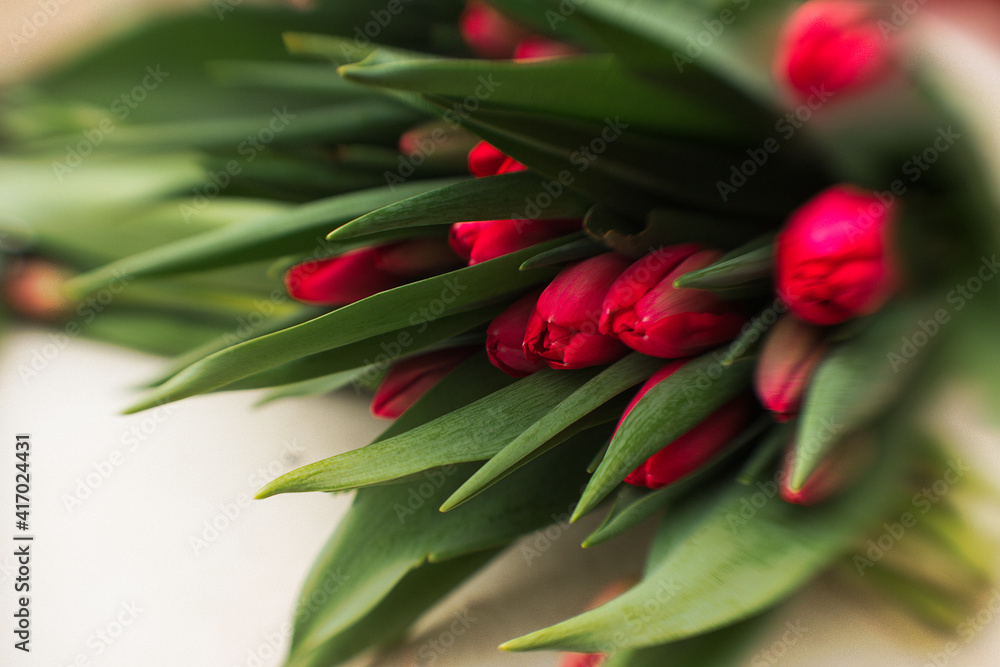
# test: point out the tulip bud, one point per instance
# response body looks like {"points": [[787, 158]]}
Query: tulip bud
{"points": [[646, 312], [487, 160], [539, 47], [416, 258], [834, 259], [488, 32], [791, 353], [832, 45], [505, 338], [339, 280], [695, 448], [482, 241], [33, 288], [838, 470], [562, 330], [413, 377]]}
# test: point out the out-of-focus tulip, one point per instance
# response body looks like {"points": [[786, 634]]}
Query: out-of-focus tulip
{"points": [[539, 47], [339, 280], [791, 353], [360, 273], [832, 45], [695, 448], [834, 258], [505, 338], [482, 241], [582, 659], [838, 470], [33, 288], [413, 377], [487, 160], [416, 258], [488, 32], [646, 312], [562, 331]]}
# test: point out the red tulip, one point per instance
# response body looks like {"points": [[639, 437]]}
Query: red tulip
{"points": [[413, 377], [832, 45], [562, 331], [487, 160], [539, 47], [482, 241], [834, 259], [791, 353], [488, 32], [416, 258], [33, 288], [505, 338], [695, 448], [340, 280], [646, 312], [838, 470], [582, 660]]}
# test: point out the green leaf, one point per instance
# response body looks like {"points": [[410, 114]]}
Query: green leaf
{"points": [[537, 438], [665, 412], [632, 506], [392, 529], [570, 251], [471, 433], [319, 385], [409, 305], [375, 352], [507, 196], [853, 384], [387, 622], [720, 648], [559, 87], [296, 231], [700, 577], [748, 266]]}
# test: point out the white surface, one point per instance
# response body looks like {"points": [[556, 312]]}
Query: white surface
{"points": [[130, 542]]}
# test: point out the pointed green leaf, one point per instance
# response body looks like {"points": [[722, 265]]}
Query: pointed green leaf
{"points": [[507, 196], [666, 412], [571, 251], [409, 305], [700, 577], [632, 506], [472, 433], [297, 231], [748, 266], [535, 439], [559, 87], [853, 384]]}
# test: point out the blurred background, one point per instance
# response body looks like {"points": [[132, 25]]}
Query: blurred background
{"points": [[148, 550]]}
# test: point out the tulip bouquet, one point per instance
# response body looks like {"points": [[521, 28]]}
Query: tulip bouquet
{"points": [[705, 261]]}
